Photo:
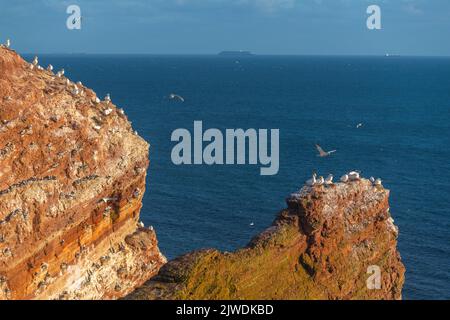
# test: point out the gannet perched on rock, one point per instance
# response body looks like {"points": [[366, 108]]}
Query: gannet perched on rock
{"points": [[372, 180], [329, 180], [141, 224], [75, 91], [344, 178], [60, 73], [50, 68], [311, 182], [35, 61], [96, 100], [320, 181], [353, 175], [108, 98], [68, 82], [107, 112], [79, 84], [8, 43], [378, 182]]}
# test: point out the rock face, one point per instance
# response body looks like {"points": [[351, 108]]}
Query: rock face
{"points": [[327, 244], [72, 176]]}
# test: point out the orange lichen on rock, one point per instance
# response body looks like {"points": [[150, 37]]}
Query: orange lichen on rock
{"points": [[323, 246], [72, 176]]}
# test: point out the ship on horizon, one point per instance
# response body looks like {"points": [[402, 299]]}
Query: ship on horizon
{"points": [[240, 53]]}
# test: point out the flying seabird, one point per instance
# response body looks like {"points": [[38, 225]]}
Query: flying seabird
{"points": [[323, 153], [329, 179], [353, 175], [359, 125], [320, 181], [252, 224], [173, 96], [344, 178], [311, 182]]}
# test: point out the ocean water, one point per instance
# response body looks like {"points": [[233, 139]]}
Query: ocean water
{"points": [[403, 103]]}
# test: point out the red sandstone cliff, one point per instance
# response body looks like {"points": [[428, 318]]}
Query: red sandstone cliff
{"points": [[72, 176], [324, 245]]}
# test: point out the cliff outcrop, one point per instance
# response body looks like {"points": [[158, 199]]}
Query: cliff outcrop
{"points": [[331, 242], [72, 177]]}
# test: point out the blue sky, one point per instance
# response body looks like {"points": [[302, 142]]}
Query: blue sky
{"points": [[409, 27]]}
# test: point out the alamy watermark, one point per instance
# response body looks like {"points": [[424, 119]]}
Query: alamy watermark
{"points": [[236, 146], [373, 282], [73, 22], [374, 20]]}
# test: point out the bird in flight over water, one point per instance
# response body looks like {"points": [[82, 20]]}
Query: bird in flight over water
{"points": [[174, 96], [323, 153]]}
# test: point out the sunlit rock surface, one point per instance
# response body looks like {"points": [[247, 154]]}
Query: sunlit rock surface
{"points": [[72, 176], [324, 245]]}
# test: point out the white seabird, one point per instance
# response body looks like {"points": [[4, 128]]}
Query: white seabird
{"points": [[107, 112], [50, 67], [97, 100], [353, 175], [40, 68], [79, 84], [378, 182], [35, 61], [323, 153], [344, 178], [320, 181], [173, 96], [359, 125], [141, 224], [311, 182], [8, 43], [329, 180], [108, 98], [372, 180], [75, 91]]}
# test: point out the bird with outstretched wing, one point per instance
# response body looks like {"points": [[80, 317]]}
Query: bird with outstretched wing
{"points": [[323, 153]]}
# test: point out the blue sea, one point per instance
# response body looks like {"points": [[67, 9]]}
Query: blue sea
{"points": [[402, 102]]}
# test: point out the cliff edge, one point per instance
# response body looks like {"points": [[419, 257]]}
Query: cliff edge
{"points": [[331, 242], [72, 177]]}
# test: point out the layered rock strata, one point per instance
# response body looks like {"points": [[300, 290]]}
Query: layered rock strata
{"points": [[331, 242], [72, 177]]}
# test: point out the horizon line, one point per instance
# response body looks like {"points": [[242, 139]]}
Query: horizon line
{"points": [[387, 55]]}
